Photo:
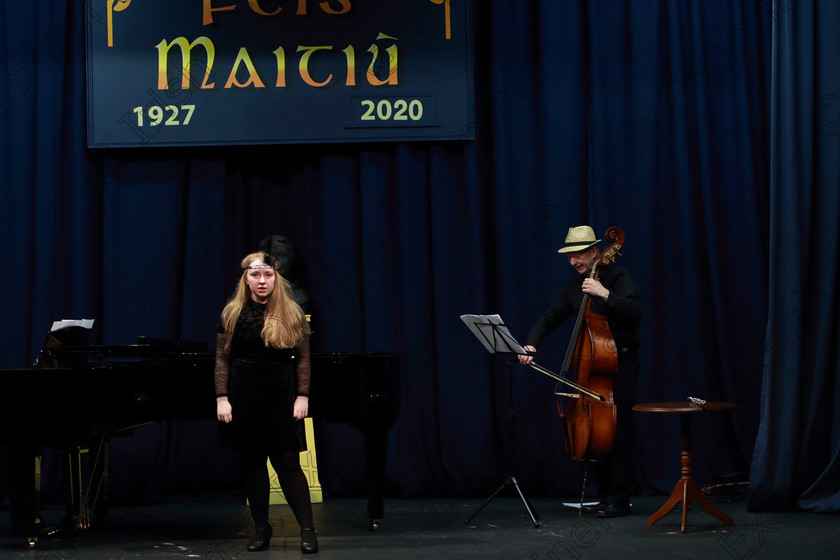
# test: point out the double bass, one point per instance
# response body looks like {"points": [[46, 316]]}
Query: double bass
{"points": [[589, 369]]}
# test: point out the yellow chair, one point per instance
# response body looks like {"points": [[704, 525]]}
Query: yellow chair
{"points": [[309, 464]]}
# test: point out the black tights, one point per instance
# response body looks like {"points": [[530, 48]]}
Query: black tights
{"points": [[291, 479]]}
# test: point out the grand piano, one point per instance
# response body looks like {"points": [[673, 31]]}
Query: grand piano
{"points": [[79, 396]]}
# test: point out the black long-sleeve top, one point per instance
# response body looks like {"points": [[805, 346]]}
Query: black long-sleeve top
{"points": [[248, 344], [623, 308]]}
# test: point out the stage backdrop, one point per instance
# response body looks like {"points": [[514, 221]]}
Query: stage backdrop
{"points": [[652, 116]]}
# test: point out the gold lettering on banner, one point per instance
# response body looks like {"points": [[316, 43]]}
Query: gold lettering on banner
{"points": [[350, 53], [111, 7], [303, 66], [186, 59], [188, 66], [392, 63], [446, 15], [344, 6], [209, 9], [253, 78], [255, 6], [280, 54]]}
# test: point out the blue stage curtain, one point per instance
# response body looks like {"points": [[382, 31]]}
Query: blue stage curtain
{"points": [[797, 451], [652, 116]]}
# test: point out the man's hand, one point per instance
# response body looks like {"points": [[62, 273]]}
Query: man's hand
{"points": [[595, 288], [525, 359]]}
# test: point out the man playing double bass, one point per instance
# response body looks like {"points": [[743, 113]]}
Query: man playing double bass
{"points": [[614, 294]]}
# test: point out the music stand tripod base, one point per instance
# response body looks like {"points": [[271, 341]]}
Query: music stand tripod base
{"points": [[510, 481], [497, 339]]}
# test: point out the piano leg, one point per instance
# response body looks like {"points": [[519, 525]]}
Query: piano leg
{"points": [[100, 446], [24, 466], [87, 475], [376, 447]]}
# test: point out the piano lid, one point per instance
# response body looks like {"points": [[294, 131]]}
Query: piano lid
{"points": [[147, 348]]}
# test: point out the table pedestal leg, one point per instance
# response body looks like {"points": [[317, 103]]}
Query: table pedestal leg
{"points": [[687, 488]]}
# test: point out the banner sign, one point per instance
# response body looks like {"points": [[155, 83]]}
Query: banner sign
{"points": [[224, 72]]}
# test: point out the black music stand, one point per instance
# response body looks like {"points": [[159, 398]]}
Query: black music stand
{"points": [[496, 338]]}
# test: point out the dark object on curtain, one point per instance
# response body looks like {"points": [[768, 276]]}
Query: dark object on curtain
{"points": [[279, 247]]}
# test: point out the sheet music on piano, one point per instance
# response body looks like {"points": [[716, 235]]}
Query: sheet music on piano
{"points": [[67, 323], [64, 332]]}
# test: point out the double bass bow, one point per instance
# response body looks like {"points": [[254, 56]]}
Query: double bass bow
{"points": [[589, 368]]}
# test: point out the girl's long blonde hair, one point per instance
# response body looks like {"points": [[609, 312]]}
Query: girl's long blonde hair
{"points": [[285, 323]]}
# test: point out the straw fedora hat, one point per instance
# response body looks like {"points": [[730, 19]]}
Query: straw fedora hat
{"points": [[579, 238]]}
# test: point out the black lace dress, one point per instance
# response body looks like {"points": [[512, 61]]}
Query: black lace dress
{"points": [[262, 385]]}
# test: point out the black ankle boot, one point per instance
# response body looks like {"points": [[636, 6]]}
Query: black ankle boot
{"points": [[262, 535], [308, 541]]}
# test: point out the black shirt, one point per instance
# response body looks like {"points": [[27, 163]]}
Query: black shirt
{"points": [[623, 307]]}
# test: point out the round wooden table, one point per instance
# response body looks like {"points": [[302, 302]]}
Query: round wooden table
{"points": [[687, 488]]}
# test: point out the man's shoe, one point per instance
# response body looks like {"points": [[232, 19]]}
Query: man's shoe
{"points": [[308, 541], [615, 509], [262, 536], [594, 508]]}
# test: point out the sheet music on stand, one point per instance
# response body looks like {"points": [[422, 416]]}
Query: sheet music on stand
{"points": [[493, 334]]}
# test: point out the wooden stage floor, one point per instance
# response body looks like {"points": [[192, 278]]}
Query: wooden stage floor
{"points": [[218, 527]]}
